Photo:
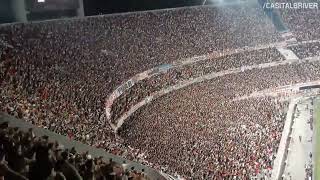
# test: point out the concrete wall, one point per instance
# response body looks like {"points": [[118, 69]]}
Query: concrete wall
{"points": [[18, 9], [278, 165], [80, 11], [6, 14]]}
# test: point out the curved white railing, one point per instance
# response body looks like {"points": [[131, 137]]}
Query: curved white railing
{"points": [[165, 67]]}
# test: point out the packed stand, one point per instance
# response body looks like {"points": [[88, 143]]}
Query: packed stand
{"points": [[306, 50], [26, 156], [59, 73], [146, 87], [303, 22], [64, 70], [184, 129], [203, 143]]}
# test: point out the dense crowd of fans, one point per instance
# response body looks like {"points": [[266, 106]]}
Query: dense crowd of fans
{"points": [[306, 50], [303, 22], [66, 69], [155, 83], [59, 73], [204, 143], [27, 156], [187, 117]]}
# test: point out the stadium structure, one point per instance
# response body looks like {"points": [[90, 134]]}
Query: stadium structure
{"points": [[203, 92]]}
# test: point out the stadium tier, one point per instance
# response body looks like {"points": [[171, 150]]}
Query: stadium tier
{"points": [[199, 92], [303, 22]]}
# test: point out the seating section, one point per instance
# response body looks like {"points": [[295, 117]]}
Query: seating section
{"points": [[58, 74], [27, 156]]}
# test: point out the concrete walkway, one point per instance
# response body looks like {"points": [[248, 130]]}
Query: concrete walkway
{"points": [[283, 145], [301, 144], [287, 53]]}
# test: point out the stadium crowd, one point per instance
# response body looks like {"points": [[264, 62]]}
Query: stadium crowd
{"points": [[65, 69], [205, 144], [306, 50], [27, 156], [59, 73], [303, 22], [208, 106], [175, 75]]}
